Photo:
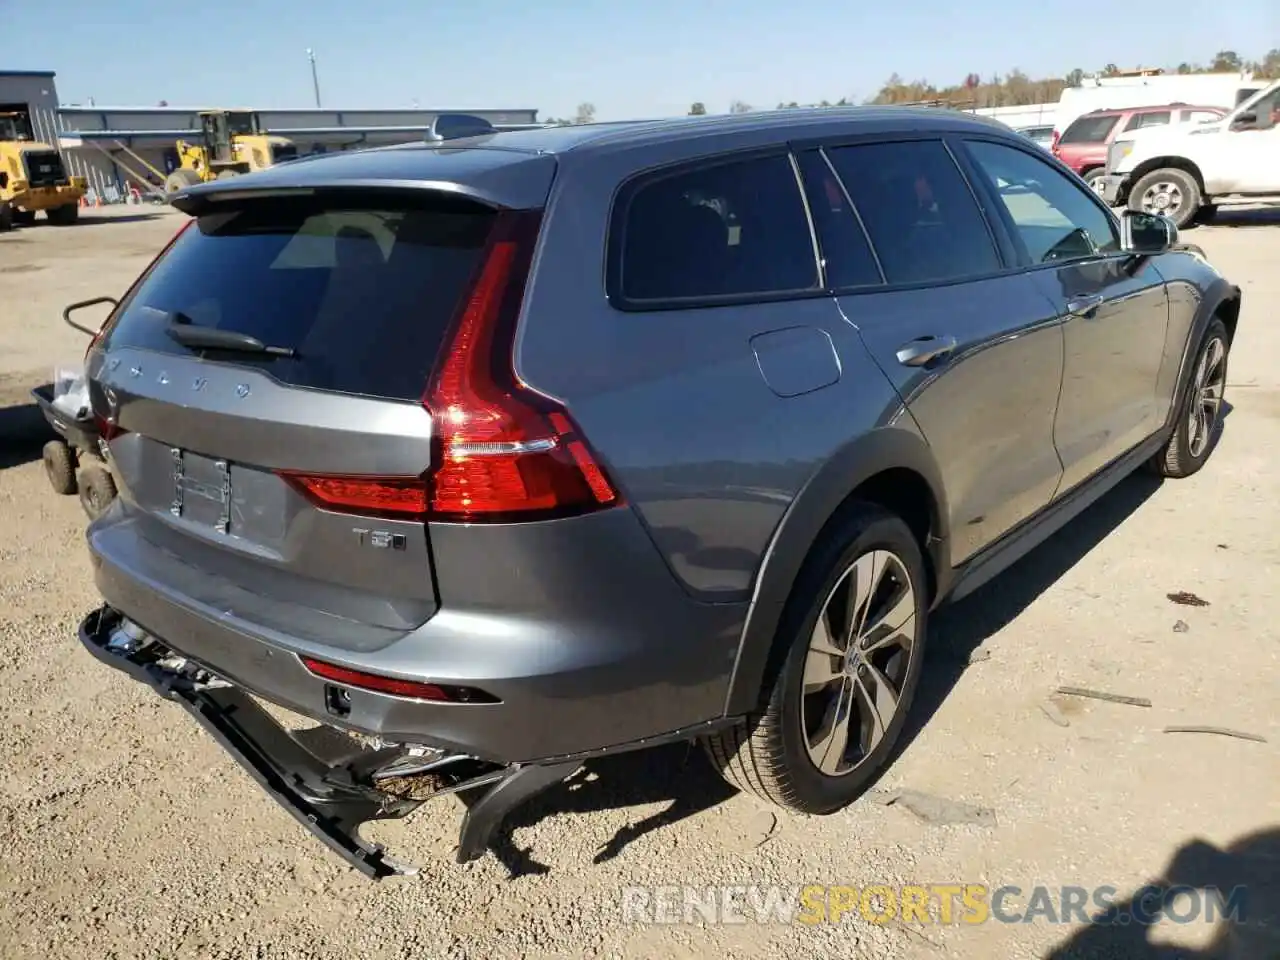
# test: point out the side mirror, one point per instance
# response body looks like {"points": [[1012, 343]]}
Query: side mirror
{"points": [[1146, 234]]}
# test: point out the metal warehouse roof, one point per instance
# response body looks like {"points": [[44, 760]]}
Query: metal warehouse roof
{"points": [[27, 73]]}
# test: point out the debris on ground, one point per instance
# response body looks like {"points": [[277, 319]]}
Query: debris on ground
{"points": [[1054, 713], [1181, 627], [1102, 695], [932, 809], [1187, 599], [765, 825], [1219, 731]]}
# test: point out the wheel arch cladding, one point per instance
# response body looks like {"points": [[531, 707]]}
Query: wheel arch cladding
{"points": [[1228, 311], [1160, 163], [892, 467]]}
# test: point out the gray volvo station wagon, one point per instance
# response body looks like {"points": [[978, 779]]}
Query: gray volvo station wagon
{"points": [[505, 450]]}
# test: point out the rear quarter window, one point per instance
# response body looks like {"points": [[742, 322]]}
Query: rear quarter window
{"points": [[730, 229], [362, 292]]}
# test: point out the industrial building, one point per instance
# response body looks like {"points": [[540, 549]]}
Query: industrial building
{"points": [[114, 147]]}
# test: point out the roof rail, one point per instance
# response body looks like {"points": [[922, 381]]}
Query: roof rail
{"points": [[452, 126]]}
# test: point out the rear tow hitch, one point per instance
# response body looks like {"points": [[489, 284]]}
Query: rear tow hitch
{"points": [[331, 797]]}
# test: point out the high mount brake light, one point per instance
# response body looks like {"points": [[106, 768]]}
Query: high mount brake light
{"points": [[504, 451]]}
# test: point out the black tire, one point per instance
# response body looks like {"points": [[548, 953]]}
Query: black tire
{"points": [[180, 179], [6, 216], [1184, 197], [64, 215], [60, 466], [1093, 178], [1186, 452], [97, 490], [24, 218], [770, 753]]}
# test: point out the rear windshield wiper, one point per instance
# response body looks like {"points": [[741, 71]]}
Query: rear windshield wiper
{"points": [[210, 338]]}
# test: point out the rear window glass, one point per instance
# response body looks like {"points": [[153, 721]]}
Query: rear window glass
{"points": [[362, 294], [733, 229], [1153, 118], [1089, 129]]}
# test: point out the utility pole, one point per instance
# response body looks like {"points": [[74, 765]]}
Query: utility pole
{"points": [[315, 80]]}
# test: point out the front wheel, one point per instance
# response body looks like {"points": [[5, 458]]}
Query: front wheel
{"points": [[854, 632], [1170, 191], [1199, 423], [6, 216]]}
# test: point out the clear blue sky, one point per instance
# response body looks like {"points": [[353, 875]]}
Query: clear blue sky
{"points": [[628, 57]]}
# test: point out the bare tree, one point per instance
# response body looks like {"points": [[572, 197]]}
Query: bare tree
{"points": [[739, 107], [698, 109], [586, 113]]}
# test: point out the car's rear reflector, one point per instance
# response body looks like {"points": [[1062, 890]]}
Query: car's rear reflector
{"points": [[412, 689], [404, 498]]}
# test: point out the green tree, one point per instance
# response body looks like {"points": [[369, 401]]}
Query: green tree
{"points": [[1226, 61], [698, 109]]}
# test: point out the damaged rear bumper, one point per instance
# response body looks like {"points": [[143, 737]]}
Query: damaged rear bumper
{"points": [[334, 795]]}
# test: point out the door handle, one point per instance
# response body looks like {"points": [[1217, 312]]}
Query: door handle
{"points": [[1086, 307], [923, 350]]}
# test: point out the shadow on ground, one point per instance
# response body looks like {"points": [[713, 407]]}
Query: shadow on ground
{"points": [[90, 219], [1246, 217], [1240, 881], [958, 629], [23, 432]]}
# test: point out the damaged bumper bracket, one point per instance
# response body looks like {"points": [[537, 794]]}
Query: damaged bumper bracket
{"points": [[329, 798]]}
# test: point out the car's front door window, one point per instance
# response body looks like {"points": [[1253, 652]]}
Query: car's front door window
{"points": [[1055, 219]]}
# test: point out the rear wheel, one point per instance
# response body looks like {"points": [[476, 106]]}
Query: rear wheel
{"points": [[1199, 423], [64, 215], [1171, 192], [6, 216], [60, 466], [180, 179], [97, 490], [854, 630], [24, 218], [1094, 179]]}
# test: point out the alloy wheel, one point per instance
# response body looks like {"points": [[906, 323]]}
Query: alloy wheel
{"points": [[858, 660], [1207, 391], [1163, 197]]}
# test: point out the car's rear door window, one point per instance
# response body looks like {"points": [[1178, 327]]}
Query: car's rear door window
{"points": [[1089, 129], [919, 212], [1149, 118], [1054, 218], [846, 252], [730, 229], [362, 291]]}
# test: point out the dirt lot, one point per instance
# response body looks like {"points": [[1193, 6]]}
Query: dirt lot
{"points": [[124, 831]]}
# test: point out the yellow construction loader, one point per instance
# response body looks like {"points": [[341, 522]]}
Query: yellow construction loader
{"points": [[33, 176], [231, 143]]}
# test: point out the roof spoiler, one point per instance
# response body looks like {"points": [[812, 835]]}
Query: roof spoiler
{"points": [[453, 126]]}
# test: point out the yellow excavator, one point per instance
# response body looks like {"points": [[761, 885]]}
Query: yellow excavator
{"points": [[231, 143], [33, 176]]}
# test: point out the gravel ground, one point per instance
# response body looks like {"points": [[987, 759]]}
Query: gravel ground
{"points": [[125, 832]]}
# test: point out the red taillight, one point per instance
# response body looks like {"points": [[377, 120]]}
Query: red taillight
{"points": [[505, 452], [395, 687], [1053, 144], [404, 498]]}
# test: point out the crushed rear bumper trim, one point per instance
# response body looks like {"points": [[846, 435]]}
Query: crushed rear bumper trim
{"points": [[332, 798]]}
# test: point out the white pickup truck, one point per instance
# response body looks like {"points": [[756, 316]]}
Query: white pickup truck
{"points": [[1186, 172]]}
